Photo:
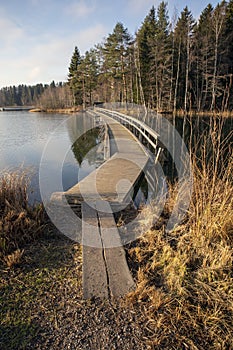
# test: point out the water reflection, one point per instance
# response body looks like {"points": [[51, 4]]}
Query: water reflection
{"points": [[23, 139], [196, 132], [85, 146]]}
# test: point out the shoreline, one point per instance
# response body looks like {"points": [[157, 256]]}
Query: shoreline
{"points": [[178, 112], [56, 110]]}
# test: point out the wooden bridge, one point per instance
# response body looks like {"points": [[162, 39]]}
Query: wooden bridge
{"points": [[105, 191]]}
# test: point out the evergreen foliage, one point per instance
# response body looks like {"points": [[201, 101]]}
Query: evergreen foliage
{"points": [[186, 65], [74, 78], [21, 95]]}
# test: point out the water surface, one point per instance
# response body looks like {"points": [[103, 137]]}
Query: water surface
{"points": [[23, 139]]}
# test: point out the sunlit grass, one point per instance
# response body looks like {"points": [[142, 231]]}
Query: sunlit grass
{"points": [[185, 277]]}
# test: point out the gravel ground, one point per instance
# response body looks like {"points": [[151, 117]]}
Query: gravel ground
{"points": [[42, 305], [96, 326]]}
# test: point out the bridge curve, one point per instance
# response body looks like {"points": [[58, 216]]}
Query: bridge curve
{"points": [[140, 129], [105, 270]]}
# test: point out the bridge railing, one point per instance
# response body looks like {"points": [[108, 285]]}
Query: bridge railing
{"points": [[148, 116], [141, 130]]}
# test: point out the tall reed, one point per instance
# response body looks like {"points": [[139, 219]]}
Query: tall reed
{"points": [[19, 222], [185, 277]]}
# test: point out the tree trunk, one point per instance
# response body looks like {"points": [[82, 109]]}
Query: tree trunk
{"points": [[172, 72], [84, 95], [138, 67], [177, 79], [214, 74], [187, 72]]}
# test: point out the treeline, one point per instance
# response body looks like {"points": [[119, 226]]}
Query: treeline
{"points": [[57, 96], [41, 95], [168, 65], [21, 95]]}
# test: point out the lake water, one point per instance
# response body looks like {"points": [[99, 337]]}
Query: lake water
{"points": [[61, 144], [25, 137]]}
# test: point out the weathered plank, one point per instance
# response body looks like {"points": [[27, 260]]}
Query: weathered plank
{"points": [[119, 277], [105, 270], [113, 181], [95, 282]]}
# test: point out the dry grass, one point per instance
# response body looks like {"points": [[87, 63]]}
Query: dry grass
{"points": [[185, 277], [14, 258], [224, 114], [19, 222]]}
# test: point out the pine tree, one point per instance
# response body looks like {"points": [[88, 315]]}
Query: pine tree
{"points": [[74, 78], [218, 26], [160, 54], [183, 35], [203, 51], [116, 53], [144, 37]]}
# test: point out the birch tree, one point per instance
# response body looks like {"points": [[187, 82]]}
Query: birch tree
{"points": [[218, 21]]}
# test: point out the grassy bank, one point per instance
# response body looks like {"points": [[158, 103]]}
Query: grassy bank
{"points": [[185, 277], [57, 110], [41, 299]]}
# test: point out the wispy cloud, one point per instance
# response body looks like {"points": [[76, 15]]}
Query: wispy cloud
{"points": [[137, 6], [80, 9], [10, 31], [34, 73], [49, 59]]}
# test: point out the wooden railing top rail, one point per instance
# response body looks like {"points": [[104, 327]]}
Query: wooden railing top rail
{"points": [[147, 132]]}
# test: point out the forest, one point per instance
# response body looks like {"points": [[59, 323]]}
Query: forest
{"points": [[168, 65], [47, 95]]}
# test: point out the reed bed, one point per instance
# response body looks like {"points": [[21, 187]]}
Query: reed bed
{"points": [[185, 277], [19, 222]]}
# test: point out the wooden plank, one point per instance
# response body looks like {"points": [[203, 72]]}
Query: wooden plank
{"points": [[115, 179], [112, 181], [119, 276], [95, 282]]}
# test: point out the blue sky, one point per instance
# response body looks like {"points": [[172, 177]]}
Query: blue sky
{"points": [[37, 37]]}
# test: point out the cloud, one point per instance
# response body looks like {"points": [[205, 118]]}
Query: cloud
{"points": [[88, 37], [10, 31], [34, 73], [48, 59], [29, 56], [80, 9], [137, 6]]}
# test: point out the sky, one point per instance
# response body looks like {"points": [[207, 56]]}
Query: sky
{"points": [[37, 37]]}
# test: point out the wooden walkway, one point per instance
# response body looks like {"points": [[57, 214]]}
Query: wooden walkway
{"points": [[115, 179], [105, 270], [108, 189]]}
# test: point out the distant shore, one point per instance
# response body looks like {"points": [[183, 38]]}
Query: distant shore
{"points": [[56, 110]]}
